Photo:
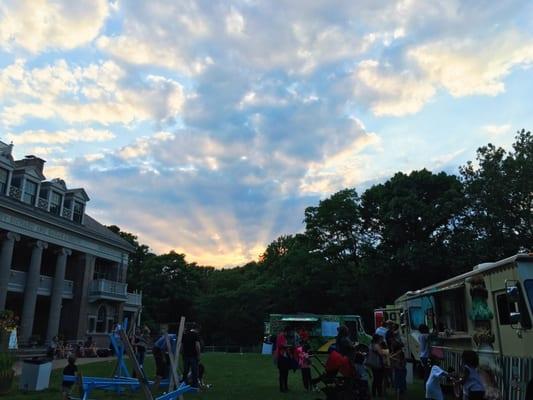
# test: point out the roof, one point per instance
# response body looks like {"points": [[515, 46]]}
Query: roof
{"points": [[453, 282], [93, 225], [91, 228]]}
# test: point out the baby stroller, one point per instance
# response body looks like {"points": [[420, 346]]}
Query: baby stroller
{"points": [[339, 380]]}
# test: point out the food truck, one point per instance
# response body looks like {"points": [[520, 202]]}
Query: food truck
{"points": [[322, 329], [488, 310]]}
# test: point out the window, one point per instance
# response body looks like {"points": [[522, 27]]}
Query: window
{"points": [[101, 271], [101, 320], [91, 328], [78, 212], [416, 317], [30, 192], [110, 324], [3, 180], [55, 203], [503, 309], [450, 310]]}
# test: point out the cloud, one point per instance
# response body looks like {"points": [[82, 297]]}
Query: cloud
{"points": [[497, 130], [98, 92], [473, 66], [37, 25], [389, 92], [218, 122], [60, 137]]}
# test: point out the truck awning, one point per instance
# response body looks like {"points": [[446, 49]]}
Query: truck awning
{"points": [[299, 319], [429, 292]]}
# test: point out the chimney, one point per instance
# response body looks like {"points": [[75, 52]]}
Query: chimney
{"points": [[35, 162]]}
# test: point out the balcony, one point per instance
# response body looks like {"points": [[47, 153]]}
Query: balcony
{"points": [[15, 192], [133, 302], [17, 283], [42, 204], [103, 289], [67, 213]]}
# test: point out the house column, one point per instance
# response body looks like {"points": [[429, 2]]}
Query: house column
{"points": [[30, 291], [6, 258], [57, 294]]}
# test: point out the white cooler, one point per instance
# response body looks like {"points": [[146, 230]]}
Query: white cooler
{"points": [[35, 374]]}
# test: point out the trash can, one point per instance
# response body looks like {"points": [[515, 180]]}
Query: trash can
{"points": [[35, 374]]}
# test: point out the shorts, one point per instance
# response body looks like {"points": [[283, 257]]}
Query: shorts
{"points": [[400, 380], [66, 389]]}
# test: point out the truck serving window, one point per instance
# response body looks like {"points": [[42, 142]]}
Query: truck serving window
{"points": [[416, 317]]}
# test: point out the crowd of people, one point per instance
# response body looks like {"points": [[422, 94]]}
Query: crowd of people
{"points": [[141, 341], [60, 349], [381, 368]]}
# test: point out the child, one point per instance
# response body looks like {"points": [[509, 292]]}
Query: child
{"points": [[433, 389], [70, 370], [473, 388], [399, 369], [361, 376]]}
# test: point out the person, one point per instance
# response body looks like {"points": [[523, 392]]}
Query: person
{"points": [[280, 340], [343, 344], [361, 376], [473, 388], [433, 389], [424, 348], [161, 359], [191, 350], [304, 358], [80, 350], [89, 347], [375, 362], [70, 370], [284, 365], [140, 341], [399, 369], [52, 350], [383, 329]]}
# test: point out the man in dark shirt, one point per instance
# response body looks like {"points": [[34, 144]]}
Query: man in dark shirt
{"points": [[191, 354]]}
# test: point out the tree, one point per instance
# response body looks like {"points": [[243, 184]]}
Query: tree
{"points": [[408, 222], [333, 227], [499, 192], [136, 259]]}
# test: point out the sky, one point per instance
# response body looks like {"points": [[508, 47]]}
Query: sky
{"points": [[208, 127]]}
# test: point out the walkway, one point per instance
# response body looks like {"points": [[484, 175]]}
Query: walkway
{"points": [[56, 364]]}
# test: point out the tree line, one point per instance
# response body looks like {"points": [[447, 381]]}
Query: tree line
{"points": [[358, 251]]}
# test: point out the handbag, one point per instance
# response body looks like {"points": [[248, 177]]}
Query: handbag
{"points": [[373, 359]]}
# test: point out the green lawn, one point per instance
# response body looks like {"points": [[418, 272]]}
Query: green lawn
{"points": [[232, 376]]}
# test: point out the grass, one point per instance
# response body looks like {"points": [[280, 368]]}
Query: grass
{"points": [[232, 376]]}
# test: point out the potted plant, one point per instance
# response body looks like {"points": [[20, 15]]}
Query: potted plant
{"points": [[8, 323]]}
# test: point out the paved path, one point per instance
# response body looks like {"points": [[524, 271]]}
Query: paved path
{"points": [[56, 364]]}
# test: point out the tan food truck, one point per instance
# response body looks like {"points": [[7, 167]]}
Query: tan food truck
{"points": [[489, 310]]}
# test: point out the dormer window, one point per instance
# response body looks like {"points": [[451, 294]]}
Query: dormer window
{"points": [[30, 192], [55, 203], [77, 215], [4, 175]]}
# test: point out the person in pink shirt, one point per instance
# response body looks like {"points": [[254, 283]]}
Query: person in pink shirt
{"points": [[283, 360]]}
